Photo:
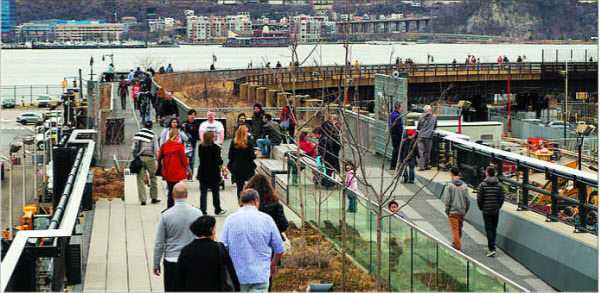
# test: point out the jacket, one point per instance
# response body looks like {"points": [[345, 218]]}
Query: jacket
{"points": [[456, 198], [490, 195], [272, 131], [209, 171], [256, 128], [332, 132], [241, 162], [308, 147], [168, 107], [199, 267], [395, 123], [191, 130], [173, 231], [406, 148], [325, 150], [427, 124], [275, 210], [286, 113], [175, 162]]}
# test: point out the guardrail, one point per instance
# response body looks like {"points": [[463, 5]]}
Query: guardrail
{"points": [[61, 229], [412, 258], [27, 94], [313, 74]]}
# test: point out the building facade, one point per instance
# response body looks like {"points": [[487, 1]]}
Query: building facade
{"points": [[215, 29], [8, 16], [71, 30], [311, 29]]}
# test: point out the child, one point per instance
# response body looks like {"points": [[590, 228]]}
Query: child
{"points": [[351, 185]]}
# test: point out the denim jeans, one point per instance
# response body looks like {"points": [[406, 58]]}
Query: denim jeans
{"points": [[409, 172], [145, 115], [263, 145], [257, 287]]}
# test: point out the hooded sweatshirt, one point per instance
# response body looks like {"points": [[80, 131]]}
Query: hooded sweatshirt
{"points": [[456, 198], [490, 195], [175, 162], [427, 124]]}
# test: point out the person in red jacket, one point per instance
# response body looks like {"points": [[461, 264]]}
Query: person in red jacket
{"points": [[306, 145], [135, 91], [288, 119], [175, 165]]}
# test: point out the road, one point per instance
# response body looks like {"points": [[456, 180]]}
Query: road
{"points": [[12, 131]]}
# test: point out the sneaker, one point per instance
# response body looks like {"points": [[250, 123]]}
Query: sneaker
{"points": [[143, 203], [490, 253], [222, 212], [154, 200]]}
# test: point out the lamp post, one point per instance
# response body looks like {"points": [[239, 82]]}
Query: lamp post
{"points": [[26, 141], [14, 147], [583, 130]]}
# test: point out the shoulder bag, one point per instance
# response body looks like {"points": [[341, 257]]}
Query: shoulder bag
{"points": [[135, 166], [227, 284], [160, 164]]}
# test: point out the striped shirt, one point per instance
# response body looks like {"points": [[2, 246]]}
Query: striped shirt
{"points": [[251, 236], [145, 143]]}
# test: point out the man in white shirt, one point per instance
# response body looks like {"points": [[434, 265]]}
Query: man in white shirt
{"points": [[212, 125]]}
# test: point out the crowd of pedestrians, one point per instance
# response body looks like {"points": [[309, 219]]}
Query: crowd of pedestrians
{"points": [[252, 239]]}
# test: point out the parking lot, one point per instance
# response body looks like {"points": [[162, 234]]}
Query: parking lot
{"points": [[13, 131]]}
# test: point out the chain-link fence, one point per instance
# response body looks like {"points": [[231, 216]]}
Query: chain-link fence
{"points": [[28, 94]]}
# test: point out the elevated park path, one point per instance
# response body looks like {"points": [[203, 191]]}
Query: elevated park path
{"points": [[122, 241]]}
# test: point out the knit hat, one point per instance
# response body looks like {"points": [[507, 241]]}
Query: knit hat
{"points": [[411, 132], [258, 105]]}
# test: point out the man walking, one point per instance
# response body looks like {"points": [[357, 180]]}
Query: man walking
{"points": [[123, 91], [396, 129], [212, 125], [457, 203], [427, 124], [490, 197], [273, 136], [172, 234], [145, 145], [191, 128], [251, 236], [168, 109]]}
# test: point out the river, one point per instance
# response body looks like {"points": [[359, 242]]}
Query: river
{"points": [[49, 67]]}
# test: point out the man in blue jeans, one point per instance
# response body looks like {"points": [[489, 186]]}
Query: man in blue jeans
{"points": [[273, 135]]}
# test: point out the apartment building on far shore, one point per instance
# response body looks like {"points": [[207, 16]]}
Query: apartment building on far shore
{"points": [[215, 29]]}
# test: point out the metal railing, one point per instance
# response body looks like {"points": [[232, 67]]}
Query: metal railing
{"points": [[27, 94], [63, 223], [412, 258]]}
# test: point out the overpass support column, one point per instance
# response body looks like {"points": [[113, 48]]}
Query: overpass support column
{"points": [[271, 98], [243, 91], [252, 92], [282, 99], [261, 95]]}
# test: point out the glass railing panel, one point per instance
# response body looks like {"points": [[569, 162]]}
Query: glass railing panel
{"points": [[452, 271], [482, 281], [424, 263], [358, 233], [400, 255]]}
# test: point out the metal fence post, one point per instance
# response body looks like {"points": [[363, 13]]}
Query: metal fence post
{"points": [[582, 196], [30, 95], [525, 198], [553, 216]]}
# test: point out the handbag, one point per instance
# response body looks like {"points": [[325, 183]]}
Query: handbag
{"points": [[227, 284], [160, 165], [135, 166]]}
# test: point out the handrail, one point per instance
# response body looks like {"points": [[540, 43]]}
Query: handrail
{"points": [[422, 231], [68, 220]]}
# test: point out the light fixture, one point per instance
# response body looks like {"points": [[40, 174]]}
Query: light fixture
{"points": [[584, 129]]}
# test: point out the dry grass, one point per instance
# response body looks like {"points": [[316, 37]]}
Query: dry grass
{"points": [[108, 184], [299, 266]]}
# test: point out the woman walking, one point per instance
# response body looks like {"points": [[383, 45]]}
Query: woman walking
{"points": [[209, 171], [241, 159], [175, 165], [173, 124], [288, 120], [200, 262]]}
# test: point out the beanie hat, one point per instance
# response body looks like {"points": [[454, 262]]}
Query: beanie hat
{"points": [[258, 105], [411, 132]]}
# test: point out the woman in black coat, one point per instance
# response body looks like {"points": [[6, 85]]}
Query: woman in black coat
{"points": [[209, 171], [199, 264], [241, 159], [268, 201]]}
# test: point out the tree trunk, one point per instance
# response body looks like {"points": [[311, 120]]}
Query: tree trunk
{"points": [[378, 281]]}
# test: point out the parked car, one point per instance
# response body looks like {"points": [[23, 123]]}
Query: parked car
{"points": [[561, 125], [534, 121], [43, 101], [8, 103], [42, 138], [28, 117]]}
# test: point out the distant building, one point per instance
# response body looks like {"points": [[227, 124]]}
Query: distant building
{"points": [[161, 24], [203, 29], [127, 22], [8, 16], [71, 30], [310, 29], [396, 23]]}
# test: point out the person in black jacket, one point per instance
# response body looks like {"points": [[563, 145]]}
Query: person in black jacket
{"points": [[490, 197], [241, 159], [331, 129], [200, 262], [123, 92], [326, 151], [269, 204], [406, 150], [168, 108], [190, 127], [256, 127], [209, 171]]}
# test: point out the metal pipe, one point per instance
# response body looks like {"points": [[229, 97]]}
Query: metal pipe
{"points": [[66, 192], [23, 179], [10, 204]]}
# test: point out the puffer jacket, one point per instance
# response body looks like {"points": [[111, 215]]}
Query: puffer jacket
{"points": [[490, 195]]}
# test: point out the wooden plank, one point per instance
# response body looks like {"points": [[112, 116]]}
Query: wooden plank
{"points": [[139, 275], [95, 272], [149, 216], [117, 274]]}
